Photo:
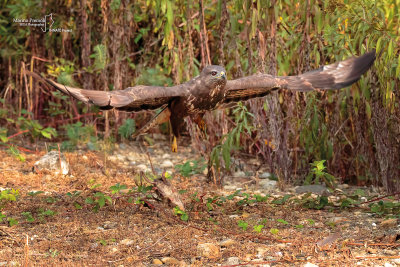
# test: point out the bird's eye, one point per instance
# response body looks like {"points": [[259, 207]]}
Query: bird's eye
{"points": [[213, 73]]}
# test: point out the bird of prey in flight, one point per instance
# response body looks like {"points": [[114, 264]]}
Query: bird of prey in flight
{"points": [[211, 89]]}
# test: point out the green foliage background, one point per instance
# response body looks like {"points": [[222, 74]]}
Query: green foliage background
{"points": [[115, 44]]}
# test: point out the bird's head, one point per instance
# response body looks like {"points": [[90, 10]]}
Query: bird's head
{"points": [[215, 75]]}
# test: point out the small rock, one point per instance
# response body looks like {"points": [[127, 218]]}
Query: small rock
{"points": [[123, 146], [131, 158], [390, 223], [52, 161], [261, 252], [84, 157], [308, 264], [390, 252], [234, 216], [208, 250], [170, 261], [239, 174], [127, 242], [157, 262], [312, 188], [112, 158], [396, 261], [248, 257], [227, 243], [232, 261], [109, 225], [343, 186], [166, 156], [264, 175], [338, 219], [120, 157], [114, 250], [157, 136], [387, 264], [142, 167], [167, 164], [267, 184], [371, 250], [230, 187]]}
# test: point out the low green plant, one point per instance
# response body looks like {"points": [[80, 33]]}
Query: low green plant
{"points": [[318, 174], [281, 201], [242, 224], [98, 200], [52, 253], [385, 208], [231, 141], [258, 228], [191, 167], [25, 125], [28, 216], [183, 215], [127, 128], [45, 214], [314, 203], [78, 135], [116, 189], [274, 231], [11, 221], [282, 221], [8, 195]]}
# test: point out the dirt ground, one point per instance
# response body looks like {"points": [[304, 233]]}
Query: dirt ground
{"points": [[59, 225]]}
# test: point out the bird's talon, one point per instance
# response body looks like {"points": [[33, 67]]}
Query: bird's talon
{"points": [[174, 146]]}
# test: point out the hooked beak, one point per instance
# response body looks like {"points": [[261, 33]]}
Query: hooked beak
{"points": [[222, 74]]}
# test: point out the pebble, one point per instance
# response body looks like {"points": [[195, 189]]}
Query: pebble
{"points": [[142, 167], [396, 261], [170, 261], [157, 262], [109, 225], [167, 164], [389, 223], [127, 242], [308, 264], [268, 184], [208, 250], [239, 174], [232, 261], [52, 162], [264, 175], [227, 243]]}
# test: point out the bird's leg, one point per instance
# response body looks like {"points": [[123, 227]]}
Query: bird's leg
{"points": [[161, 117], [198, 119], [174, 146], [176, 126]]}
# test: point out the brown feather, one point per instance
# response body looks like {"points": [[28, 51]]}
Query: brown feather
{"points": [[334, 76], [136, 98]]}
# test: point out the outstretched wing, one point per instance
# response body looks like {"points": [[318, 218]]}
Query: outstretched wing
{"points": [[334, 76], [135, 98]]}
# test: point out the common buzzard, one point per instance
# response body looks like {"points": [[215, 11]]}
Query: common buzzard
{"points": [[211, 89]]}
